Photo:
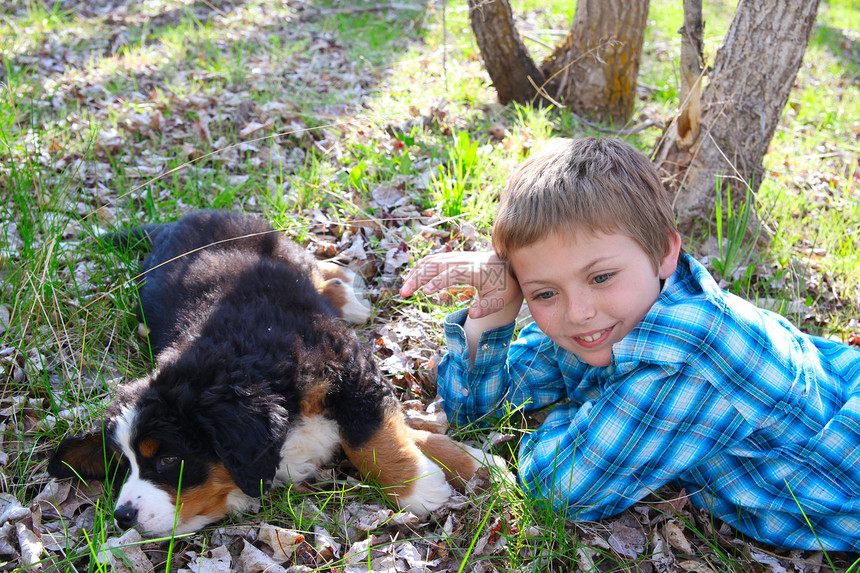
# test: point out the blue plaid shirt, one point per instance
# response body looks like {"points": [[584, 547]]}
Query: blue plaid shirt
{"points": [[708, 392]]}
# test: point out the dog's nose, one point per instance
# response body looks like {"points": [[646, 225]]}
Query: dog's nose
{"points": [[125, 516]]}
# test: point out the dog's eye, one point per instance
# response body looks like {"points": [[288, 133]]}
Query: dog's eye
{"points": [[166, 462]]}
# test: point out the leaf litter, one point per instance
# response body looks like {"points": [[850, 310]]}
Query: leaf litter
{"points": [[141, 107]]}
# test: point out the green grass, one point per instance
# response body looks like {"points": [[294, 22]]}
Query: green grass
{"points": [[377, 104]]}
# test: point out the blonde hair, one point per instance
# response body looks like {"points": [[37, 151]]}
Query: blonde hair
{"points": [[590, 184]]}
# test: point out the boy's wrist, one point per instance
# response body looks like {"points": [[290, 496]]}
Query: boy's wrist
{"points": [[482, 313], [475, 327]]}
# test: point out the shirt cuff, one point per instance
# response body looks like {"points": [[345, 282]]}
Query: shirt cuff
{"points": [[492, 348]]}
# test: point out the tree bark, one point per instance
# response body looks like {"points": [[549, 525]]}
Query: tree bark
{"points": [[692, 66], [506, 58], [594, 71], [753, 74]]}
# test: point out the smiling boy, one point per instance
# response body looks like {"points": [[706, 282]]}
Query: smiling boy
{"points": [[657, 375]]}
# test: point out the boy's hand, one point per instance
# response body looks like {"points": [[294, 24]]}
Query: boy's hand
{"points": [[489, 275]]}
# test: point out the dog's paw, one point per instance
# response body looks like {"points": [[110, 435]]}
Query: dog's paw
{"points": [[498, 467], [428, 492]]}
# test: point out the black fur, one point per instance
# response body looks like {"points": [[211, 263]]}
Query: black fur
{"points": [[239, 334]]}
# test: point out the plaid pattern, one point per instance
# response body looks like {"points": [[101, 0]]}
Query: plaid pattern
{"points": [[708, 392]]}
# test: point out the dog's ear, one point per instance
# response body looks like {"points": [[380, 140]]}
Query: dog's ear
{"points": [[84, 456], [247, 430]]}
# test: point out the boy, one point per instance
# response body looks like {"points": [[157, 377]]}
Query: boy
{"points": [[659, 375]]}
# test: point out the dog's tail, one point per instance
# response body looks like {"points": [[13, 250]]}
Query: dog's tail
{"points": [[137, 238]]}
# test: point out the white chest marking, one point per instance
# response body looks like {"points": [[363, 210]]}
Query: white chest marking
{"points": [[310, 443]]}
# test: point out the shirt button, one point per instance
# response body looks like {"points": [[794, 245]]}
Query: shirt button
{"points": [[485, 347], [464, 392]]}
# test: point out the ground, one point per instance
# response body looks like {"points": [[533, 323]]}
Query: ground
{"points": [[369, 133]]}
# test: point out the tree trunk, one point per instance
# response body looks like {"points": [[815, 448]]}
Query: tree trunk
{"points": [[505, 56], [594, 71], [753, 74], [692, 66]]}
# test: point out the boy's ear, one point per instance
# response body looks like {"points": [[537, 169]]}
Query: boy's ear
{"points": [[669, 262], [81, 456]]}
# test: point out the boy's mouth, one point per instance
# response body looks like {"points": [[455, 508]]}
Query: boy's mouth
{"points": [[593, 339]]}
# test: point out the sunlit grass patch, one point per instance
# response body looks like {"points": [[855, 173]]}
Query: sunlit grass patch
{"points": [[360, 129]]}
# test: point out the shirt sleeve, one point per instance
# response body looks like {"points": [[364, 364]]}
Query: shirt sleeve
{"points": [[648, 428], [506, 375]]}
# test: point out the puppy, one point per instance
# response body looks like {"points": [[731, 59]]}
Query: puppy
{"points": [[257, 383]]}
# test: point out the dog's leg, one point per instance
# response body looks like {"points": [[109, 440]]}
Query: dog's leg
{"points": [[458, 461], [342, 287], [392, 458]]}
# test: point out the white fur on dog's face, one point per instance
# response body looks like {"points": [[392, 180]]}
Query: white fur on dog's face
{"points": [[156, 511], [156, 506]]}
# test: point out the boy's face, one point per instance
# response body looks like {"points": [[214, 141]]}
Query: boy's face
{"points": [[588, 291]]}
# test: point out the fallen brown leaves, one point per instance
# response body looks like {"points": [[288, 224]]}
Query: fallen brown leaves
{"points": [[157, 121]]}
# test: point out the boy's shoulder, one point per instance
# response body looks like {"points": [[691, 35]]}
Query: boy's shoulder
{"points": [[691, 314]]}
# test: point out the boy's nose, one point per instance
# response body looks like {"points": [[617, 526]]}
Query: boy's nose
{"points": [[580, 310]]}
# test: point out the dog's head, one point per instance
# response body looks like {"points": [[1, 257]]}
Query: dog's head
{"points": [[191, 448]]}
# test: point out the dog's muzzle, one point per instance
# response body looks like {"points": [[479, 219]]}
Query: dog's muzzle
{"points": [[125, 516]]}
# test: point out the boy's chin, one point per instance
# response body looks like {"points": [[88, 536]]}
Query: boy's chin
{"points": [[598, 361], [600, 358]]}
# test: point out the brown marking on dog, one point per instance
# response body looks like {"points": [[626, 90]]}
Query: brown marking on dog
{"points": [[335, 285], [329, 270], [209, 498], [313, 400], [148, 447], [458, 464], [390, 457], [335, 290]]}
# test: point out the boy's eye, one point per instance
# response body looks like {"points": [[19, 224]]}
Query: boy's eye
{"points": [[602, 278], [545, 295]]}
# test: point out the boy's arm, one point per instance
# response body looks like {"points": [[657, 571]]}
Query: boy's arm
{"points": [[483, 371], [475, 327], [595, 459], [504, 375]]}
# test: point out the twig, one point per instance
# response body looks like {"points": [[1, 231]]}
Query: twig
{"points": [[372, 8], [594, 126]]}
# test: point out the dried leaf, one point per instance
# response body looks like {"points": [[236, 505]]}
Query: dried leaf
{"points": [[769, 561], [695, 567], [252, 560], [282, 541], [626, 540], [395, 258], [253, 128], [5, 316], [30, 545], [662, 556], [370, 518], [10, 509], [124, 554], [216, 560], [326, 545], [414, 561], [388, 196], [677, 539], [585, 558], [7, 539]]}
